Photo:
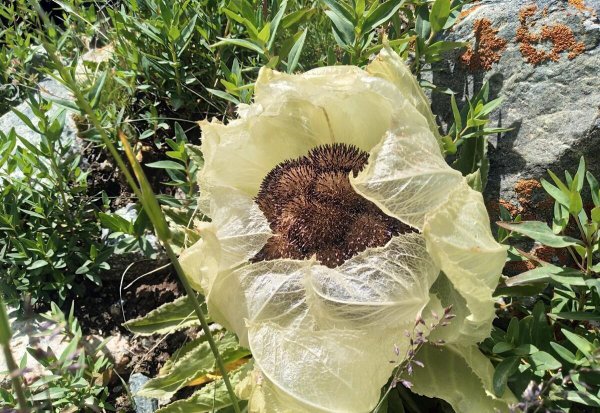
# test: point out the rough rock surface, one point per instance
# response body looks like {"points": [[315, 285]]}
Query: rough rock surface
{"points": [[545, 63], [49, 88]]}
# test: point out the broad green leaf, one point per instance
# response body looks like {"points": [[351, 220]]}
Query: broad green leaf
{"points": [[542, 361], [210, 398], [502, 372], [439, 14], [165, 319], [585, 398], [502, 347], [195, 364], [539, 231], [341, 9], [512, 333]]}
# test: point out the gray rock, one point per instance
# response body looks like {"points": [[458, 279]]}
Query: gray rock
{"points": [[142, 404], [552, 106], [49, 88]]}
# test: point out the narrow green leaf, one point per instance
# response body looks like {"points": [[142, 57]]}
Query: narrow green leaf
{"points": [[241, 43], [381, 14], [502, 372], [294, 55], [502, 347], [581, 343], [577, 315], [555, 193], [594, 188], [563, 352], [275, 24], [541, 232], [166, 165]]}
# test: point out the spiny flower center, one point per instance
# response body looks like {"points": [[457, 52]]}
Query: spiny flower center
{"points": [[313, 210]]}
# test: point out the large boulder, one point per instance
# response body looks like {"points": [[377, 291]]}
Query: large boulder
{"points": [[543, 57]]}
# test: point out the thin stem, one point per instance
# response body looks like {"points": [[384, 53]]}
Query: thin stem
{"points": [[211, 341], [13, 368]]}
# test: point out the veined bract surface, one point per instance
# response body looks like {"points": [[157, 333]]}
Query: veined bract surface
{"points": [[335, 223]]}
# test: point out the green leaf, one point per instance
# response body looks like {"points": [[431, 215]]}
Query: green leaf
{"points": [[210, 398], [456, 114], [542, 361], [502, 347], [241, 43], [167, 318], [594, 188], [96, 90], [563, 352], [166, 165], [342, 28], [193, 365], [294, 55], [540, 232], [512, 333], [38, 264], [577, 315], [581, 343], [275, 23], [341, 9], [502, 372], [381, 14], [439, 14], [555, 193]]}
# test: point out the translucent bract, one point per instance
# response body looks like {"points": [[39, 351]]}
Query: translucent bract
{"points": [[322, 338]]}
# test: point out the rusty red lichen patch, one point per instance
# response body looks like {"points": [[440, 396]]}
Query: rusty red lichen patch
{"points": [[487, 49], [559, 35]]}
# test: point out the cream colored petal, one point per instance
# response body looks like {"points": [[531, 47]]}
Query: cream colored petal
{"points": [[460, 241], [333, 370], [239, 155], [377, 288], [388, 65], [462, 376], [238, 231], [355, 108], [406, 176], [318, 334]]}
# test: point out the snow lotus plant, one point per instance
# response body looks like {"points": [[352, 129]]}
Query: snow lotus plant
{"points": [[335, 223]]}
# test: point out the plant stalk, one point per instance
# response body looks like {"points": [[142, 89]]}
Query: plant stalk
{"points": [[13, 368]]}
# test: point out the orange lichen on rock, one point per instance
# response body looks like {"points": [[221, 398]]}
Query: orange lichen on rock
{"points": [[579, 5], [465, 13], [487, 49], [560, 35]]}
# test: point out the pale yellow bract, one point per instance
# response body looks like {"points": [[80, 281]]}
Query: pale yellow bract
{"points": [[322, 338]]}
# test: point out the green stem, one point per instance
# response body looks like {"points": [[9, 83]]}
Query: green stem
{"points": [[211, 341], [13, 368]]}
